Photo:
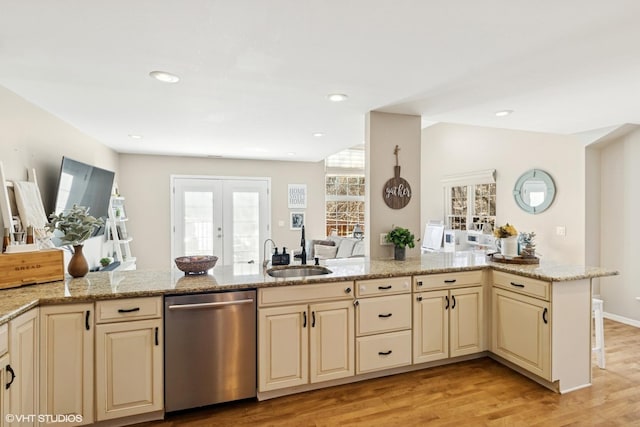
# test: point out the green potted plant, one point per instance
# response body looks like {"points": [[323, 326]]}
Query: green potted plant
{"points": [[76, 226], [401, 238]]}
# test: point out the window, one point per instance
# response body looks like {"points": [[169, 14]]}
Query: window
{"points": [[470, 200], [344, 191]]}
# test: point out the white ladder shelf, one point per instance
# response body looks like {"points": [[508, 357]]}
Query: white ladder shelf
{"points": [[119, 236]]}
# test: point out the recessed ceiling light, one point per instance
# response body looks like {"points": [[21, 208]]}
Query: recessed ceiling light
{"points": [[337, 97], [318, 134], [165, 77], [503, 113], [134, 136]]}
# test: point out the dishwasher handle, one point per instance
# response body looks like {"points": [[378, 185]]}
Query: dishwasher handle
{"points": [[220, 304]]}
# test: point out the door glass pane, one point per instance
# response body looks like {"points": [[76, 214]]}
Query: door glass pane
{"points": [[246, 227], [198, 223]]}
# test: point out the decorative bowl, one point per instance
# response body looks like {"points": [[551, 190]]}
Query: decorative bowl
{"points": [[197, 264]]}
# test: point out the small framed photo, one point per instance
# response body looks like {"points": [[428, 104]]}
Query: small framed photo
{"points": [[297, 220]]}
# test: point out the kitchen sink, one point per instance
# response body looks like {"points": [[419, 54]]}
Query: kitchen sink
{"points": [[298, 271]]}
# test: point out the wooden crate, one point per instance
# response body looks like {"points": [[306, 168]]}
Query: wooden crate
{"points": [[27, 268]]}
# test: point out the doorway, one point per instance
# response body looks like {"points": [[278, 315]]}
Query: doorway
{"points": [[225, 217]]}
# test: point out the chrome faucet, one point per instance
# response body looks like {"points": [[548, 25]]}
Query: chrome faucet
{"points": [[265, 261]]}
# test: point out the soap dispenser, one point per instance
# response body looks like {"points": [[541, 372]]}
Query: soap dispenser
{"points": [[276, 257], [285, 257]]}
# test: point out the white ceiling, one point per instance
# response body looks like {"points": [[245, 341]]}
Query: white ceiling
{"points": [[255, 73]]}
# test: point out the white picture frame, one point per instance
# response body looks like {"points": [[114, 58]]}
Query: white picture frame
{"points": [[296, 220], [297, 196]]}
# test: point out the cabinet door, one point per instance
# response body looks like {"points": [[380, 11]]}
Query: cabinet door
{"points": [[23, 348], [521, 331], [66, 361], [283, 347], [466, 321], [5, 378], [430, 326], [128, 368], [332, 341]]}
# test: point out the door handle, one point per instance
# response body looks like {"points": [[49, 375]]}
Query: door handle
{"points": [[384, 353], [446, 307], [313, 319], [156, 335], [210, 304], [128, 310], [385, 315], [13, 376], [453, 298], [544, 315], [450, 281], [517, 285], [383, 288], [87, 326], [304, 319]]}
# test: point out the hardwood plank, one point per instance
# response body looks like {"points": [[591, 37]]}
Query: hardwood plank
{"points": [[480, 393]]}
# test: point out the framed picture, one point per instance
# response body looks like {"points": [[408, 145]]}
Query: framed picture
{"points": [[297, 196], [297, 220]]}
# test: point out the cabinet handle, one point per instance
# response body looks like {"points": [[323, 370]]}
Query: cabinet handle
{"points": [[356, 303], [453, 298], [304, 319], [446, 307], [384, 353], [544, 315], [13, 376], [518, 285], [419, 299], [87, 326], [313, 319], [385, 315], [384, 288], [128, 310], [157, 336], [450, 281], [420, 283], [347, 291]]}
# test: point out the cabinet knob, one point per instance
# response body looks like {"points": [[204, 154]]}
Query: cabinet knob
{"points": [[363, 288], [419, 298], [419, 282], [347, 291]]}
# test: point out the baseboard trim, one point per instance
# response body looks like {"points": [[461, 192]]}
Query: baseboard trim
{"points": [[621, 319]]}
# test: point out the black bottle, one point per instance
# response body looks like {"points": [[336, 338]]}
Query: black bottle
{"points": [[284, 258]]}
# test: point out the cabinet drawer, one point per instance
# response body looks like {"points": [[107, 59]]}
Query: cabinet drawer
{"points": [[305, 293], [383, 314], [447, 280], [388, 286], [4, 338], [121, 310], [383, 351], [522, 285]]}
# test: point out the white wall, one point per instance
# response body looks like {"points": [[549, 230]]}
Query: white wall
{"points": [[31, 138], [145, 180], [620, 204], [383, 132], [449, 149]]}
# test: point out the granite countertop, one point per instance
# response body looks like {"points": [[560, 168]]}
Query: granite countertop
{"points": [[138, 283]]}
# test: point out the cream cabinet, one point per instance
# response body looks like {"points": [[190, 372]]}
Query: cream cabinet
{"points": [[383, 324], [521, 330], [6, 373], [129, 357], [448, 316], [23, 349], [307, 342], [66, 361]]}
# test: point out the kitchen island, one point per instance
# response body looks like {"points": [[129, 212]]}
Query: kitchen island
{"points": [[366, 319]]}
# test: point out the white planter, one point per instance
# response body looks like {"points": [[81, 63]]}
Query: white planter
{"points": [[509, 246]]}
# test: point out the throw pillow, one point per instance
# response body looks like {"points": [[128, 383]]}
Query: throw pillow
{"points": [[324, 251], [346, 248]]}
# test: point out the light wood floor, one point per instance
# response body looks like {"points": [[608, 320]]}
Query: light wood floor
{"points": [[476, 393]]}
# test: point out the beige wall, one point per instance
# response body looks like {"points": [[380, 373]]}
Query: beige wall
{"points": [[31, 138], [145, 181], [449, 149], [382, 133], [620, 204]]}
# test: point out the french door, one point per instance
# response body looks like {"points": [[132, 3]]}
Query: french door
{"points": [[228, 218]]}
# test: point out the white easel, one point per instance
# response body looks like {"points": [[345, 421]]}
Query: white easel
{"points": [[5, 201]]}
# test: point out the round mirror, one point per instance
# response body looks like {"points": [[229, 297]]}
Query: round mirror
{"points": [[534, 191]]}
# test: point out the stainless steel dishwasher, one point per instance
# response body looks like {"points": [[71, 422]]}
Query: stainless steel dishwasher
{"points": [[210, 348]]}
